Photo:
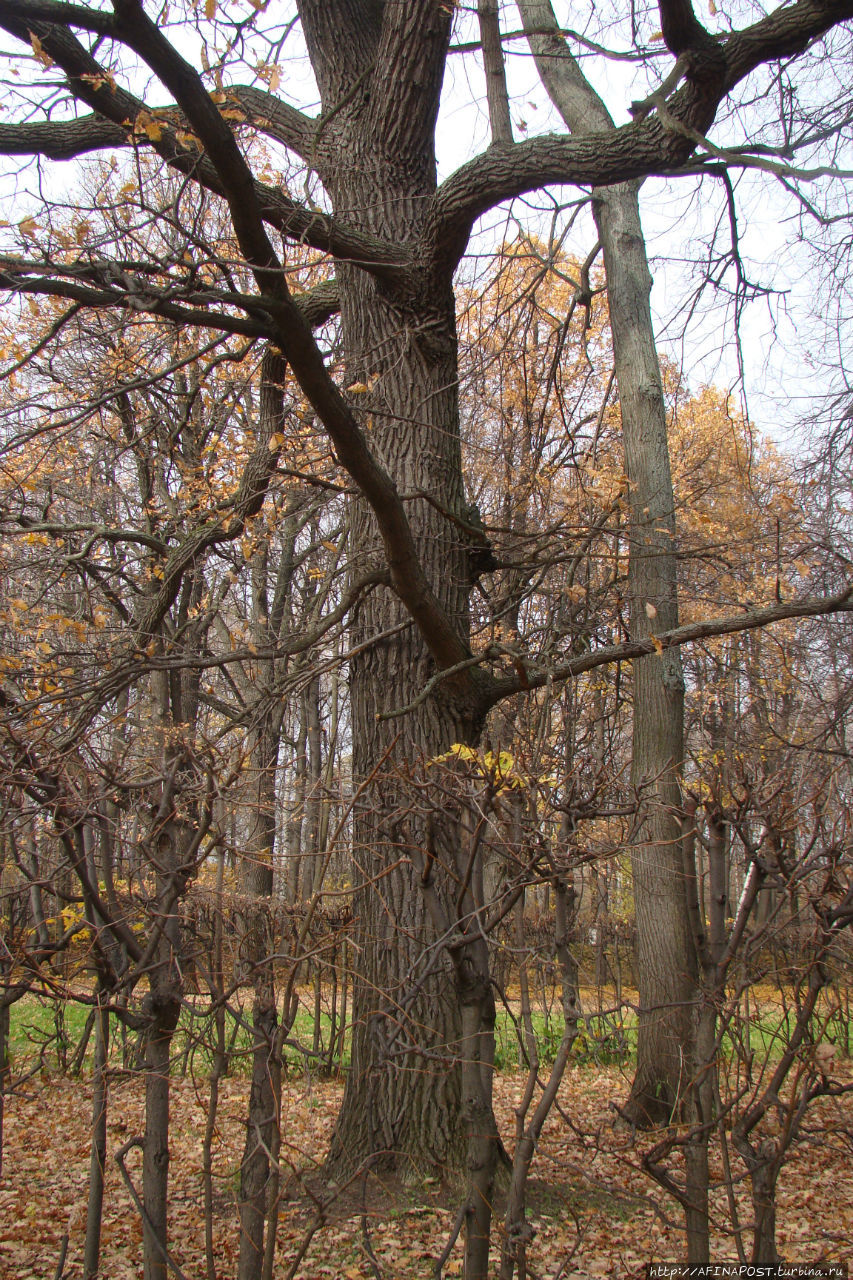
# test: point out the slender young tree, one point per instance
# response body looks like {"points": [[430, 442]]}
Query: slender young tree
{"points": [[666, 964]]}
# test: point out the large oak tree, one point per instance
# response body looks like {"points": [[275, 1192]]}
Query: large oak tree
{"points": [[124, 77]]}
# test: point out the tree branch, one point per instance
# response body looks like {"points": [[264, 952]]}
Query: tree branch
{"points": [[635, 150], [682, 30], [600, 159], [99, 22], [289, 330], [277, 119], [17, 279], [750, 620], [493, 63], [123, 120], [782, 34], [63, 140]]}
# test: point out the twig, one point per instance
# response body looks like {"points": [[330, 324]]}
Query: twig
{"points": [[446, 673], [60, 1264], [365, 1232], [461, 1215], [313, 1228], [745, 160], [132, 1192]]}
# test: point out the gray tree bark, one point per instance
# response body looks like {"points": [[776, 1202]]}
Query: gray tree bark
{"points": [[98, 1153], [667, 969], [256, 870], [381, 77]]}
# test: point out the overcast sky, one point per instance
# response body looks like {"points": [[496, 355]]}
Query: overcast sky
{"points": [[792, 353]]}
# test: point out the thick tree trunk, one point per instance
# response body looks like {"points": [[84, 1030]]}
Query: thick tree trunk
{"points": [[401, 1103], [467, 949], [402, 1097]]}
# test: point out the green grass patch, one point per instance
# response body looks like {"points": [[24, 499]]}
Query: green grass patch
{"points": [[54, 1034], [51, 1033], [602, 1039]]}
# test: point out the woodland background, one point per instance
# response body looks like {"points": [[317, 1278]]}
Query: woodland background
{"points": [[425, 794]]}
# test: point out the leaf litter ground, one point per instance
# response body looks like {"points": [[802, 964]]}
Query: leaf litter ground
{"points": [[595, 1213]]}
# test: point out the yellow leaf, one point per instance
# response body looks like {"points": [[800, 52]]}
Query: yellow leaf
{"points": [[462, 752], [210, 9], [358, 388], [145, 123], [651, 611], [28, 227], [658, 644]]}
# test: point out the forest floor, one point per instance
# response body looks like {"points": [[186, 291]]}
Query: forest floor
{"points": [[594, 1211]]}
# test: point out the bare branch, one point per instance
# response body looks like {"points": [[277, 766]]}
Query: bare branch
{"points": [[496, 91]]}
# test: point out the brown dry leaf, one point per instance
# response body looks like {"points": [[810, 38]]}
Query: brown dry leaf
{"points": [[39, 53], [589, 1184]]}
